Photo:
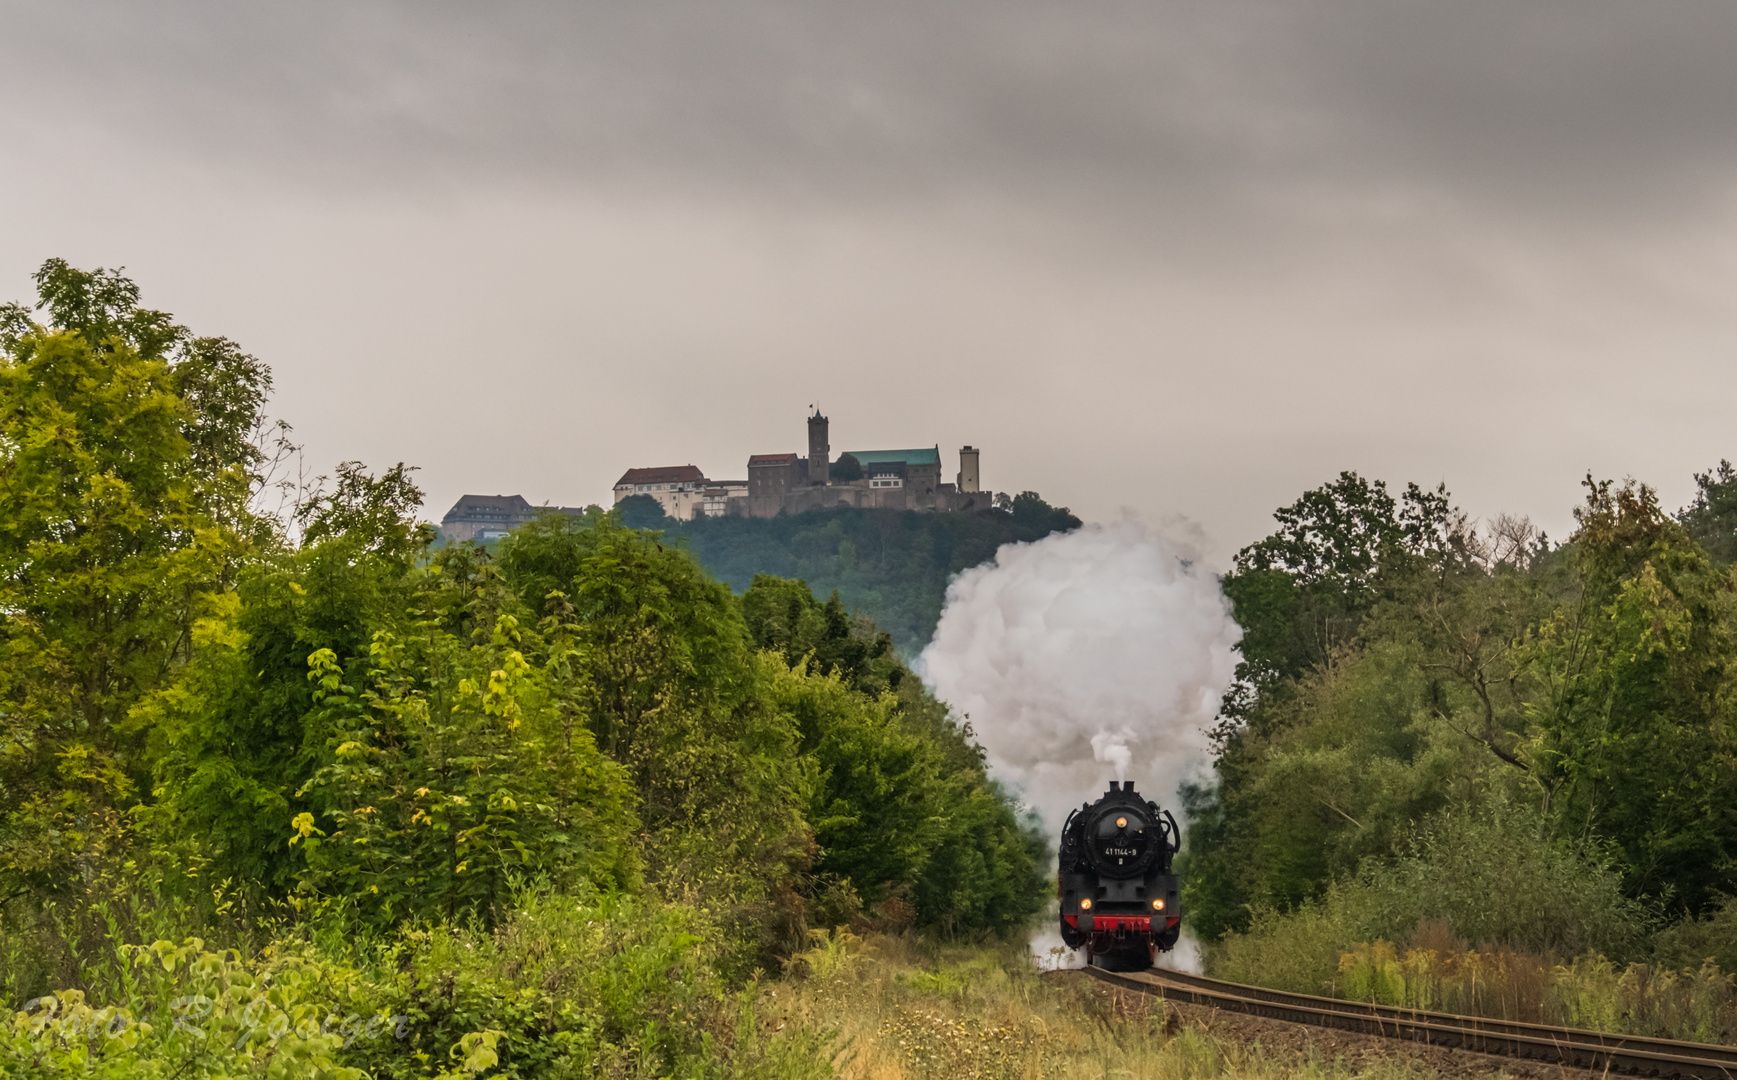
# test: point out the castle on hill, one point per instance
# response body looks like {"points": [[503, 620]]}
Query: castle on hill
{"points": [[789, 484], [776, 484]]}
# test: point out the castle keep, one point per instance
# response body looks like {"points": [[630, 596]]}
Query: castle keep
{"points": [[789, 484]]}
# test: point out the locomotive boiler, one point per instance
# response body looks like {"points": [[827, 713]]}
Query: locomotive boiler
{"points": [[1118, 896]]}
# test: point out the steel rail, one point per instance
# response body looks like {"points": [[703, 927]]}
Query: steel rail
{"points": [[1573, 1047], [1724, 1054]]}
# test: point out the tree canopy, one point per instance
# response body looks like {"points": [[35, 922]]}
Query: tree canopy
{"points": [[1400, 661], [323, 708], [894, 564]]}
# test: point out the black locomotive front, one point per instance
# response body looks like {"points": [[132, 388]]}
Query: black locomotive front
{"points": [[1118, 896]]}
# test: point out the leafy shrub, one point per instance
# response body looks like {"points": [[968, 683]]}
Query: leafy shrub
{"points": [[1297, 950], [1338, 772], [1487, 873], [1493, 872], [449, 772], [1691, 942], [575, 986], [197, 1013]]}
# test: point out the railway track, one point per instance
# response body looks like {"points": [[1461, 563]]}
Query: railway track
{"points": [[1593, 1050]]}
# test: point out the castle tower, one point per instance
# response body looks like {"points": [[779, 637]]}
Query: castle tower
{"points": [[818, 448], [967, 478]]}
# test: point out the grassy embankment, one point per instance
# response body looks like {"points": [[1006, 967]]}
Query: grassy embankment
{"points": [[899, 1008], [613, 989]]}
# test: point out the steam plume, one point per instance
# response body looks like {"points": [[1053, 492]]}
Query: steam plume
{"points": [[1084, 657]]}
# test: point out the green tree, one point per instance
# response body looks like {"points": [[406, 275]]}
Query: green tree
{"points": [[1634, 730], [453, 768], [1302, 593], [878, 804], [125, 442], [235, 739], [1332, 775], [1711, 519], [663, 671], [784, 616], [892, 565], [902, 805], [846, 468], [642, 512], [1377, 651]]}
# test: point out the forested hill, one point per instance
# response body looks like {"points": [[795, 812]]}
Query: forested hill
{"points": [[890, 565]]}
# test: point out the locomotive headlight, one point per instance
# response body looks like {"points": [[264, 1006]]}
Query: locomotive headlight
{"points": [[1086, 904], [1121, 823], [1158, 904]]}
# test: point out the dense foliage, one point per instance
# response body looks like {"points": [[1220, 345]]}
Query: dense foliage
{"points": [[1532, 745], [550, 806], [893, 563]]}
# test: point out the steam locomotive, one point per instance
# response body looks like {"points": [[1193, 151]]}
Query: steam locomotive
{"points": [[1118, 896]]}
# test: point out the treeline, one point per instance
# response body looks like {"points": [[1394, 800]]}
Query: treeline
{"points": [[891, 563], [1447, 732], [549, 809]]}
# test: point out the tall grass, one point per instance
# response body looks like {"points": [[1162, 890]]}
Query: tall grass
{"points": [[1556, 940], [898, 1008], [1314, 951], [1698, 1004]]}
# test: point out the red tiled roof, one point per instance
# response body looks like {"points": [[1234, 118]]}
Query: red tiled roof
{"points": [[669, 474], [771, 459]]}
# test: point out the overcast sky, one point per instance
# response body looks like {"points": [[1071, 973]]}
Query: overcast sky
{"points": [[1184, 259]]}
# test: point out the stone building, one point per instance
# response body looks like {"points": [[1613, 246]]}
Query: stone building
{"points": [[684, 492], [489, 517], [725, 498], [771, 477], [789, 484], [891, 479], [679, 489]]}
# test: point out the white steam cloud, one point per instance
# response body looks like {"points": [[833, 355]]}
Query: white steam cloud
{"points": [[1095, 655]]}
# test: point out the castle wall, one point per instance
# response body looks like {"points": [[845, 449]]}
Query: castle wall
{"points": [[786, 483], [770, 479], [923, 486]]}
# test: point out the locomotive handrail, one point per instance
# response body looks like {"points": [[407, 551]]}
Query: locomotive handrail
{"points": [[1575, 1047], [1173, 834]]}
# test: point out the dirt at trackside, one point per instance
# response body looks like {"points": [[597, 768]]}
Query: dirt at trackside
{"points": [[1303, 1043]]}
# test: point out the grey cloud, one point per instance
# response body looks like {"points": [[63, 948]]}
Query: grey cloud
{"points": [[1231, 247], [1590, 105]]}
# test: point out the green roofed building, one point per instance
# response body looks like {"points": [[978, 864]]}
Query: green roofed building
{"points": [[927, 456], [891, 479]]}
